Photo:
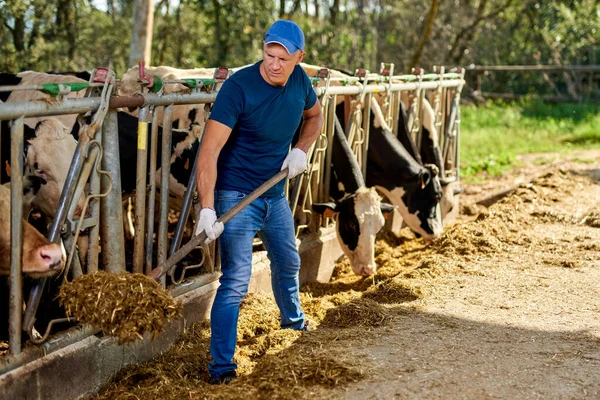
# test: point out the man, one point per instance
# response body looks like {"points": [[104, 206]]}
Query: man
{"points": [[251, 126]]}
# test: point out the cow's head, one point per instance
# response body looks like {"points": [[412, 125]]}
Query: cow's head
{"points": [[419, 203], [359, 217], [425, 202], [40, 257], [49, 156]]}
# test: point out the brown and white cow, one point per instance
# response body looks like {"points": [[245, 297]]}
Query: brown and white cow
{"points": [[49, 156], [40, 257], [27, 78]]}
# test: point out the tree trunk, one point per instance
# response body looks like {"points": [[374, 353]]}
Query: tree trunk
{"points": [[281, 8], [465, 37], [295, 8], [316, 3], [333, 12], [164, 33], [141, 38], [426, 33], [18, 33], [180, 38]]}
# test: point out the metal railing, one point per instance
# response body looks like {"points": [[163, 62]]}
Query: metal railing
{"points": [[105, 218]]}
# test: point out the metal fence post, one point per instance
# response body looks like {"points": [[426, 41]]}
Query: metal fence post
{"points": [[16, 237], [111, 207]]}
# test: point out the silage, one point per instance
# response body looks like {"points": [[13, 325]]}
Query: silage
{"points": [[357, 313], [123, 305]]}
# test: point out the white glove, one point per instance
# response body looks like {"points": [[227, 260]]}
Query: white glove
{"points": [[295, 162], [208, 223]]}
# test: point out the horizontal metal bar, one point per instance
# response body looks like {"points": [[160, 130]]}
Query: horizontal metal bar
{"points": [[518, 68], [77, 106], [12, 88], [393, 87]]}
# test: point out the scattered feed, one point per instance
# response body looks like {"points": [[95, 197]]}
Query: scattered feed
{"points": [[357, 313], [393, 290], [123, 305]]}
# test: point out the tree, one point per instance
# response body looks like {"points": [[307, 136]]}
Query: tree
{"points": [[141, 38]]}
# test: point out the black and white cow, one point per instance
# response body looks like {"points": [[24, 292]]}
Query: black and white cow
{"points": [[429, 152], [411, 186], [357, 210]]}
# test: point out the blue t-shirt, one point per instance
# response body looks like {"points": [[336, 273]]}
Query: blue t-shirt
{"points": [[263, 119]]}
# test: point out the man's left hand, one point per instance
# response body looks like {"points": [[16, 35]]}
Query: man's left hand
{"points": [[295, 162]]}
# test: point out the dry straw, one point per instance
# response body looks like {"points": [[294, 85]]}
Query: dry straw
{"points": [[123, 305]]}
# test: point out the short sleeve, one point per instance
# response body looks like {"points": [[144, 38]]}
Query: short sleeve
{"points": [[228, 105], [311, 96]]}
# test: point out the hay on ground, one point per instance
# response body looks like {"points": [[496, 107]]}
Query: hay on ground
{"points": [[393, 291], [301, 366], [123, 305], [357, 313], [259, 315]]}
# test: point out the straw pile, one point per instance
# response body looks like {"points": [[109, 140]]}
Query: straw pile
{"points": [[258, 315], [357, 313], [392, 291], [123, 305]]}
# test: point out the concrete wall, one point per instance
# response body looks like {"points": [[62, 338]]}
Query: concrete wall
{"points": [[80, 369]]}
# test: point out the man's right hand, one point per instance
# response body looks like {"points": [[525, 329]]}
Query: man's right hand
{"points": [[208, 223]]}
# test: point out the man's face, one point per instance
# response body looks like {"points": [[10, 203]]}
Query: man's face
{"points": [[278, 64]]}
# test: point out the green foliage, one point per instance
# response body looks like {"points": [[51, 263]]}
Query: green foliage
{"points": [[492, 137]]}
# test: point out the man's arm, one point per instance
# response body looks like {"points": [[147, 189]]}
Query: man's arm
{"points": [[215, 137], [311, 128]]}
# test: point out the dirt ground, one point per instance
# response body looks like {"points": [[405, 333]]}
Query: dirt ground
{"points": [[505, 305], [519, 321]]}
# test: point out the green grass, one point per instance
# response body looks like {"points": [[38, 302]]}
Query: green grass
{"points": [[493, 136]]}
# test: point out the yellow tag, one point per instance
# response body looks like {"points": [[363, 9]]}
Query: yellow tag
{"points": [[375, 90], [142, 135]]}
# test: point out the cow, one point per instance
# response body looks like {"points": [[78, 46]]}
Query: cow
{"points": [[36, 78], [357, 210], [184, 145], [48, 155], [50, 151], [429, 152], [184, 116], [40, 257], [414, 188], [28, 133]]}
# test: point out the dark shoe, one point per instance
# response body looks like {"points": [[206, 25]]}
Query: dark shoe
{"points": [[224, 379], [308, 326]]}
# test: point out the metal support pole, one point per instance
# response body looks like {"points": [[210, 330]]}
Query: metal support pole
{"points": [[94, 233], [140, 191], [16, 237], [152, 192], [111, 206], [326, 182], [185, 208], [61, 213], [165, 169], [366, 131]]}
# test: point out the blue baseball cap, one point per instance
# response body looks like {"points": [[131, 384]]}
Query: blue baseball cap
{"points": [[286, 33]]}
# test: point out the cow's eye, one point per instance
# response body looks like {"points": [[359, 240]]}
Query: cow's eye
{"points": [[38, 170]]}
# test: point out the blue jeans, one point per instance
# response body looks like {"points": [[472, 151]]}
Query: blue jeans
{"points": [[272, 220]]}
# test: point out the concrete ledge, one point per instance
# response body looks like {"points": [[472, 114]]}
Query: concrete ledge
{"points": [[318, 255], [80, 369]]}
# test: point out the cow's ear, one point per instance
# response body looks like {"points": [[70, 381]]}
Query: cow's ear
{"points": [[28, 133], [386, 209], [325, 209]]}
